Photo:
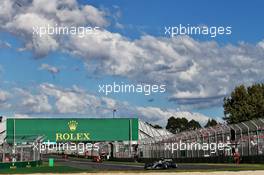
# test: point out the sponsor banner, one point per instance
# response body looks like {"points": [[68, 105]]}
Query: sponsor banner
{"points": [[72, 130]]}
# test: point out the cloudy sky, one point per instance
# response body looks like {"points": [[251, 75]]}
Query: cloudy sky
{"points": [[59, 75]]}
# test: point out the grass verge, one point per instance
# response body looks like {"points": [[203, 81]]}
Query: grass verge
{"points": [[42, 169]]}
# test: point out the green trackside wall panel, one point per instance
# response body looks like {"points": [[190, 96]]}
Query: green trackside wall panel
{"points": [[72, 129]]}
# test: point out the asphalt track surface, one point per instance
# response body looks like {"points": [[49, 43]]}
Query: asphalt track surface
{"points": [[100, 166], [89, 165]]}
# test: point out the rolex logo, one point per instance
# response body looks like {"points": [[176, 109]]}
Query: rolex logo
{"points": [[72, 136], [72, 125]]}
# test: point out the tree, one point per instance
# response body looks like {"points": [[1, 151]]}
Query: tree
{"points": [[210, 123], [176, 125], [154, 126], [244, 103], [192, 125], [157, 127]]}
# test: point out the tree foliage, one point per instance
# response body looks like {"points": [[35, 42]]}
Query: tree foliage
{"points": [[210, 123], [176, 125], [157, 126], [244, 103], [193, 124]]}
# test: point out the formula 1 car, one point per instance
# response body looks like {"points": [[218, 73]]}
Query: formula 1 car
{"points": [[161, 164]]}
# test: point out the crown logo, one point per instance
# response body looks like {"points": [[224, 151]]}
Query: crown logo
{"points": [[72, 125]]}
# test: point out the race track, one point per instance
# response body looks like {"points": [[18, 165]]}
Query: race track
{"points": [[89, 165]]}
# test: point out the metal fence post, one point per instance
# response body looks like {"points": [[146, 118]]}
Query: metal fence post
{"points": [[257, 128], [241, 136], [249, 147]]}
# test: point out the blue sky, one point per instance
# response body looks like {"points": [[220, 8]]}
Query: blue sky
{"points": [[244, 17], [30, 86]]}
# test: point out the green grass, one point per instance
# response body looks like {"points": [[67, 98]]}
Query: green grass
{"points": [[42, 169]]}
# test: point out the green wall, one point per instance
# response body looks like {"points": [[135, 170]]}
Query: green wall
{"points": [[98, 129]]}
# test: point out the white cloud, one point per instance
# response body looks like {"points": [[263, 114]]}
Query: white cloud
{"points": [[190, 69], [261, 44], [197, 73], [6, 11], [158, 115], [70, 100], [19, 18], [49, 68], [4, 97], [48, 99], [22, 25], [31, 103], [4, 44], [21, 116], [94, 16]]}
